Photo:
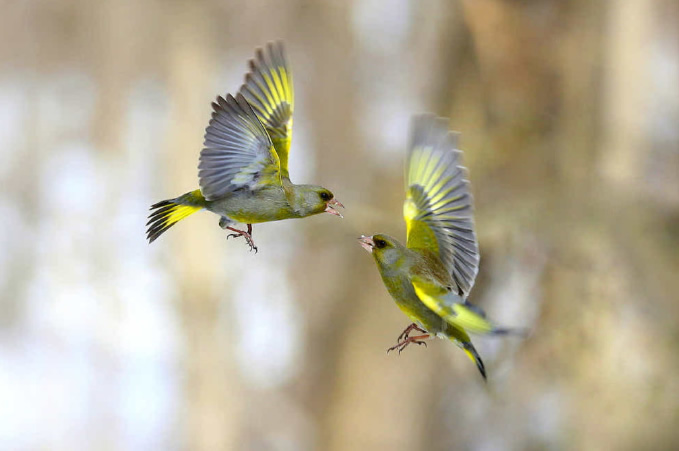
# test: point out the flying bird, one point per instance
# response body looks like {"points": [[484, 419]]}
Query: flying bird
{"points": [[243, 167], [431, 276]]}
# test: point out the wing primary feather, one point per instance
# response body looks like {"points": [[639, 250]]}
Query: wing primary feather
{"points": [[268, 88], [439, 205], [237, 150]]}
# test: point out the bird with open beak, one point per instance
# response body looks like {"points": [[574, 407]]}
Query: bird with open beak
{"points": [[243, 169], [431, 276], [331, 205]]}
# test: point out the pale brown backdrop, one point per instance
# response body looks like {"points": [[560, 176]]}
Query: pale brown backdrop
{"points": [[569, 114]]}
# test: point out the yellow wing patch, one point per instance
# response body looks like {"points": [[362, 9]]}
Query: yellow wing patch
{"points": [[420, 234], [438, 207], [454, 313], [470, 320], [269, 90]]}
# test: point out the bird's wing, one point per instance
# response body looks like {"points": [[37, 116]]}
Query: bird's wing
{"points": [[268, 88], [439, 296], [238, 152], [438, 207]]}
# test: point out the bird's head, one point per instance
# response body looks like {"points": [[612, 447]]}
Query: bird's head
{"points": [[385, 249], [311, 200]]}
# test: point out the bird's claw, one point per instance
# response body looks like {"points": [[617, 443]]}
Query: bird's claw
{"points": [[402, 344], [248, 239], [251, 244], [406, 332], [247, 235]]}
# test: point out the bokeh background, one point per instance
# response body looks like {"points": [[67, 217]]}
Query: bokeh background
{"points": [[569, 113]]}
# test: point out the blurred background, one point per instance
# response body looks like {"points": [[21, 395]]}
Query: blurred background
{"points": [[568, 111]]}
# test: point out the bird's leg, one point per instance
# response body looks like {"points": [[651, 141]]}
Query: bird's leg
{"points": [[238, 233], [409, 329], [418, 339], [247, 235]]}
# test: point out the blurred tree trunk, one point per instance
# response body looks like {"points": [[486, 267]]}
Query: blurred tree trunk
{"points": [[211, 406], [568, 113], [546, 128]]}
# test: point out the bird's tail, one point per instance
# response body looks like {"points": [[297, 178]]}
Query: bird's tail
{"points": [[458, 336], [470, 350], [167, 213]]}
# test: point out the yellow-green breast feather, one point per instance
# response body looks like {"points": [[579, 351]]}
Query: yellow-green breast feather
{"points": [[269, 89]]}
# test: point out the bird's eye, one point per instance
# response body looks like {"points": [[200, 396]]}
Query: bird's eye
{"points": [[325, 196], [379, 243]]}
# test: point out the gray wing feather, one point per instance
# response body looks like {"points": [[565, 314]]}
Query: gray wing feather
{"points": [[271, 97], [237, 150], [440, 197]]}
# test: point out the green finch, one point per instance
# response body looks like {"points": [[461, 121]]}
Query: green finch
{"points": [[431, 276], [243, 167]]}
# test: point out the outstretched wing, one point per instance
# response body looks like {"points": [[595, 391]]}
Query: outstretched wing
{"points": [[238, 152], [433, 287], [268, 88], [438, 208]]}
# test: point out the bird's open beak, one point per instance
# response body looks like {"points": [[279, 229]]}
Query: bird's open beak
{"points": [[367, 243], [330, 207]]}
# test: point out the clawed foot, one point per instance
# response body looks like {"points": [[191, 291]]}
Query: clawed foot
{"points": [[418, 339], [247, 235], [406, 332]]}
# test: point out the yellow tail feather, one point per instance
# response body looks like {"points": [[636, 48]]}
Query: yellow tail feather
{"points": [[169, 212]]}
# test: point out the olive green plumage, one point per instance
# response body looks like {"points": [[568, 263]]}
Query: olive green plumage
{"points": [[243, 169], [431, 276]]}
